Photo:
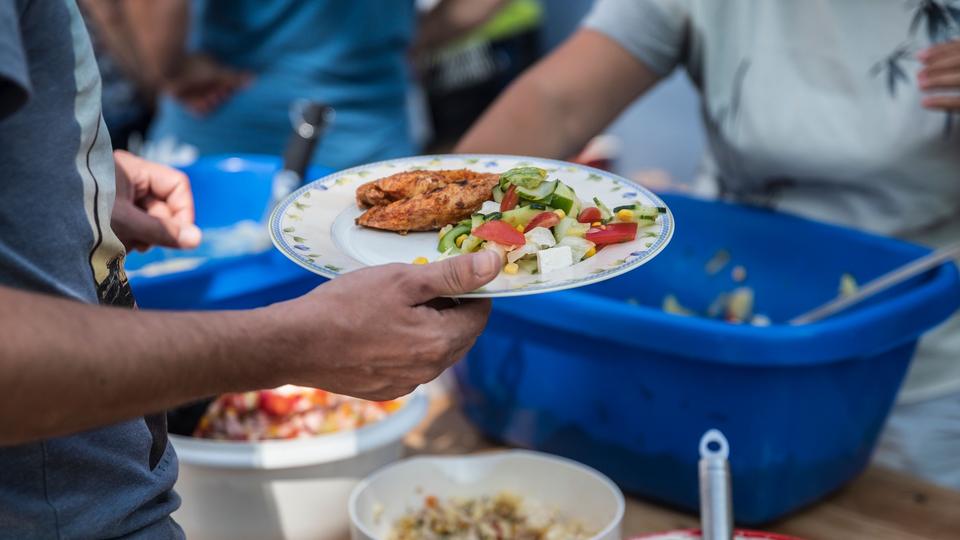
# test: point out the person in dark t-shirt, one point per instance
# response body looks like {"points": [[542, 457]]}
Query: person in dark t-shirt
{"points": [[84, 378]]}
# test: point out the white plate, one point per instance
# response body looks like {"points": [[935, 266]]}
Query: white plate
{"points": [[315, 226]]}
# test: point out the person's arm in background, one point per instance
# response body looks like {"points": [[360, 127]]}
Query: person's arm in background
{"points": [[450, 20], [941, 73], [149, 53], [149, 38], [559, 104], [66, 366]]}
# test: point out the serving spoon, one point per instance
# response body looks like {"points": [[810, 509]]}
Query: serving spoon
{"points": [[880, 284]]}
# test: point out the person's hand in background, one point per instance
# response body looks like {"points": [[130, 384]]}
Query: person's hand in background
{"points": [[154, 205], [378, 333], [941, 73], [202, 84]]}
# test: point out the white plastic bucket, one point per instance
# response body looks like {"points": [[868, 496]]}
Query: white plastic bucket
{"points": [[285, 490], [575, 490]]}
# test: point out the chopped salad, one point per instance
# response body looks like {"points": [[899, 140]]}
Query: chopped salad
{"points": [[736, 306], [538, 225], [504, 516], [287, 412]]}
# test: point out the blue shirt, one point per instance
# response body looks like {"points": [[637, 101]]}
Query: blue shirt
{"points": [[56, 194], [350, 55]]}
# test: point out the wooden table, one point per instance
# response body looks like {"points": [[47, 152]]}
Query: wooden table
{"points": [[880, 505]]}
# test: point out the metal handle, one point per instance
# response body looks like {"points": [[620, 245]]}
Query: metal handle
{"points": [[309, 119], [716, 508], [897, 275]]}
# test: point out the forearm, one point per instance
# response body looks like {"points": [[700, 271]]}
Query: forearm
{"points": [[108, 21], [147, 37], [67, 366], [527, 120], [160, 28], [557, 106]]}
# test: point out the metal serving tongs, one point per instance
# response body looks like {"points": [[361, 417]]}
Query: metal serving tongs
{"points": [[309, 120], [894, 277], [716, 501]]}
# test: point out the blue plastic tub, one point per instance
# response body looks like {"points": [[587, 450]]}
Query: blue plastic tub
{"points": [[227, 189], [630, 389]]}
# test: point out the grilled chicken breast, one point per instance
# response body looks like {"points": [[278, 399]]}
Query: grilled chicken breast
{"points": [[423, 200]]}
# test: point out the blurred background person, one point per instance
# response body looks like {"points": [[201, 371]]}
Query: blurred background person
{"points": [[808, 111], [228, 71], [128, 95], [462, 74]]}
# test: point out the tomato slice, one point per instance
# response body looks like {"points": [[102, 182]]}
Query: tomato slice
{"points": [[543, 219], [500, 232], [275, 404], [613, 233], [589, 215], [510, 199]]}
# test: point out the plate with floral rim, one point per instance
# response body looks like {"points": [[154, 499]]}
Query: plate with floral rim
{"points": [[315, 226]]}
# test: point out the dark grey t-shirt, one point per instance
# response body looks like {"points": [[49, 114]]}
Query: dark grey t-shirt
{"points": [[56, 193]]}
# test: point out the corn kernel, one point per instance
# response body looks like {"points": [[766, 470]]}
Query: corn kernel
{"points": [[560, 213], [511, 268], [420, 260], [590, 252], [596, 224], [625, 215], [520, 228], [460, 239]]}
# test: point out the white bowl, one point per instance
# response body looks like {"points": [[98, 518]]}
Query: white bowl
{"points": [[577, 491], [289, 490]]}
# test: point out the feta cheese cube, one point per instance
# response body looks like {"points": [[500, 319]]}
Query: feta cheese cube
{"points": [[541, 236], [555, 258], [489, 207]]}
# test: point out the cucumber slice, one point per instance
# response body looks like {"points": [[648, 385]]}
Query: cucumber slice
{"points": [[579, 247], [520, 215], [531, 204], [497, 194], [605, 213], [542, 193], [523, 177], [476, 220], [493, 216], [641, 211], [570, 227], [449, 240], [564, 198], [528, 266], [470, 243]]}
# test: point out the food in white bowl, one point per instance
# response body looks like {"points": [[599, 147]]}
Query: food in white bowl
{"points": [[504, 516], [554, 499], [288, 489], [287, 412]]}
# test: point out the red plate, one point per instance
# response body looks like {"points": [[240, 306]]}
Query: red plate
{"points": [[694, 534]]}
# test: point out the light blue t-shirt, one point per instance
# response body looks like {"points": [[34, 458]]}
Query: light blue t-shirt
{"points": [[350, 55]]}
